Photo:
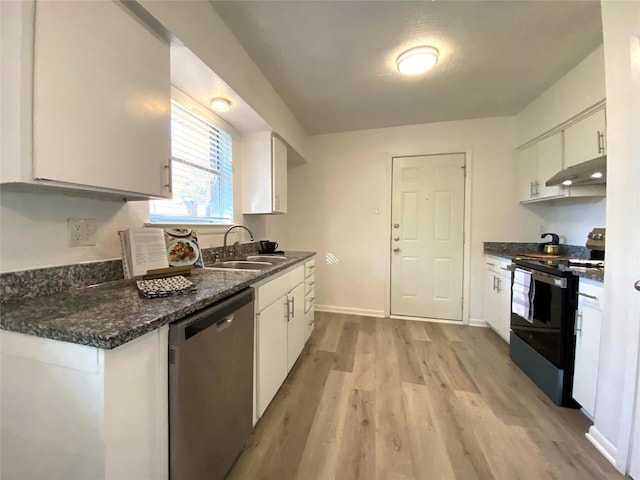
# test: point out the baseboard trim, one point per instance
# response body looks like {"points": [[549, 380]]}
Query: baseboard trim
{"points": [[478, 322], [604, 446], [427, 319], [349, 311]]}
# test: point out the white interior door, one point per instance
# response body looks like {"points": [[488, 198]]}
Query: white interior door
{"points": [[427, 228]]}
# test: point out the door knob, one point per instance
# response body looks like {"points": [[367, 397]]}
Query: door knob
{"points": [[396, 238], [637, 285], [396, 225], [396, 249]]}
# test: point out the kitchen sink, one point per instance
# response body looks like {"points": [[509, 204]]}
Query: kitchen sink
{"points": [[241, 265], [267, 258]]}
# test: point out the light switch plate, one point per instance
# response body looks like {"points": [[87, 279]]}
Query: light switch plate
{"points": [[81, 231]]}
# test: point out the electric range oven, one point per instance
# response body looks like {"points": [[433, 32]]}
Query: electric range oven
{"points": [[542, 325]]}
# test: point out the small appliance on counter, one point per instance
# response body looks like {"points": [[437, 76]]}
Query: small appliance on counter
{"points": [[595, 243]]}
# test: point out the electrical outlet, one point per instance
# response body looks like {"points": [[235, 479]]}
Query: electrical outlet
{"points": [[81, 231]]}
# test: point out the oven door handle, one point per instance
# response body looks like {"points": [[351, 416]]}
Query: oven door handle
{"points": [[546, 278]]}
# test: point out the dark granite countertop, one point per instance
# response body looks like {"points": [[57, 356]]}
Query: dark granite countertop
{"points": [[510, 250], [111, 314]]}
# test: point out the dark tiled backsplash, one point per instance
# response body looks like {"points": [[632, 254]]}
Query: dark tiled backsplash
{"points": [[39, 282], [513, 249]]}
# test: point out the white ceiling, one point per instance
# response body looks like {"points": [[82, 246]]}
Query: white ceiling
{"points": [[333, 62]]}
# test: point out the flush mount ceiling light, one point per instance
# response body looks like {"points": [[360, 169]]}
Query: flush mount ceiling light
{"points": [[417, 60], [220, 104]]}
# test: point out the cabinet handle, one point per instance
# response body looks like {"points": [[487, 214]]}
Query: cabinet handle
{"points": [[286, 308], [537, 188], [169, 167], [499, 284], [492, 264], [293, 307], [494, 283], [578, 326], [592, 297], [600, 142], [530, 189]]}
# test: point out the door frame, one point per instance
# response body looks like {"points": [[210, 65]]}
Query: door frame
{"points": [[466, 248]]}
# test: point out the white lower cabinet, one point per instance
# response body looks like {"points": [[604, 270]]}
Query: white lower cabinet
{"points": [[587, 359], [75, 411], [497, 295], [280, 333], [271, 360]]}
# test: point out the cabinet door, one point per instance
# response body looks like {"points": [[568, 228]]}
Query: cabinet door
{"points": [[585, 140], [271, 363], [101, 99], [279, 159], [549, 160], [526, 167], [490, 306], [503, 305], [585, 375], [295, 325]]}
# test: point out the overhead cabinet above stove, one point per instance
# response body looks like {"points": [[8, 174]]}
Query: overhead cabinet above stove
{"points": [[571, 143]]}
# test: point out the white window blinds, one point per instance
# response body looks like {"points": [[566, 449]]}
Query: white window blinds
{"points": [[202, 172]]}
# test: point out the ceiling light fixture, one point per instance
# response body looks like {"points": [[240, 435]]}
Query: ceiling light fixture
{"points": [[597, 175], [417, 60], [220, 104]]}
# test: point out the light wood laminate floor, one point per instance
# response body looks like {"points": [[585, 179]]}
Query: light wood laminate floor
{"points": [[373, 398]]}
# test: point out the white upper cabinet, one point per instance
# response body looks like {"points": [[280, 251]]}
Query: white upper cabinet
{"points": [[571, 143], [535, 165], [264, 173], [101, 102], [586, 139]]}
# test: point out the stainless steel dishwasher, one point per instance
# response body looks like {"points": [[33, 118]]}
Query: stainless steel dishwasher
{"points": [[210, 388]]}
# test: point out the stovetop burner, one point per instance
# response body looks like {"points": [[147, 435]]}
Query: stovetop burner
{"points": [[586, 263], [559, 266]]}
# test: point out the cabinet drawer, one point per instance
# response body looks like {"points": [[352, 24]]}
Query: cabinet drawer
{"points": [[309, 300], [309, 268], [278, 287], [309, 283], [591, 292], [498, 265]]}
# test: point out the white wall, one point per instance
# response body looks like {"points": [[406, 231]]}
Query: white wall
{"points": [[198, 26], [579, 89], [618, 370], [571, 218], [333, 202]]}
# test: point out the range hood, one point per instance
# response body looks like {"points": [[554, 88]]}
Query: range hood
{"points": [[591, 172]]}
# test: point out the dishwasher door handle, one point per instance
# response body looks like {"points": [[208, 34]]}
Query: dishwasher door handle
{"points": [[219, 315], [225, 322]]}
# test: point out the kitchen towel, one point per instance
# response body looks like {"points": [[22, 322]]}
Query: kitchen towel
{"points": [[522, 292], [165, 287]]}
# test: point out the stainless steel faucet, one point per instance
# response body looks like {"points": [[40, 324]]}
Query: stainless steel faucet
{"points": [[224, 245]]}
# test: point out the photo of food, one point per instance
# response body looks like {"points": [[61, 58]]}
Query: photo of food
{"points": [[182, 252]]}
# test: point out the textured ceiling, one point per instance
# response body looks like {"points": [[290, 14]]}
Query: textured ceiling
{"points": [[333, 62]]}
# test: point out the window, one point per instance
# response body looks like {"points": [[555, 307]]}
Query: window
{"points": [[202, 173]]}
